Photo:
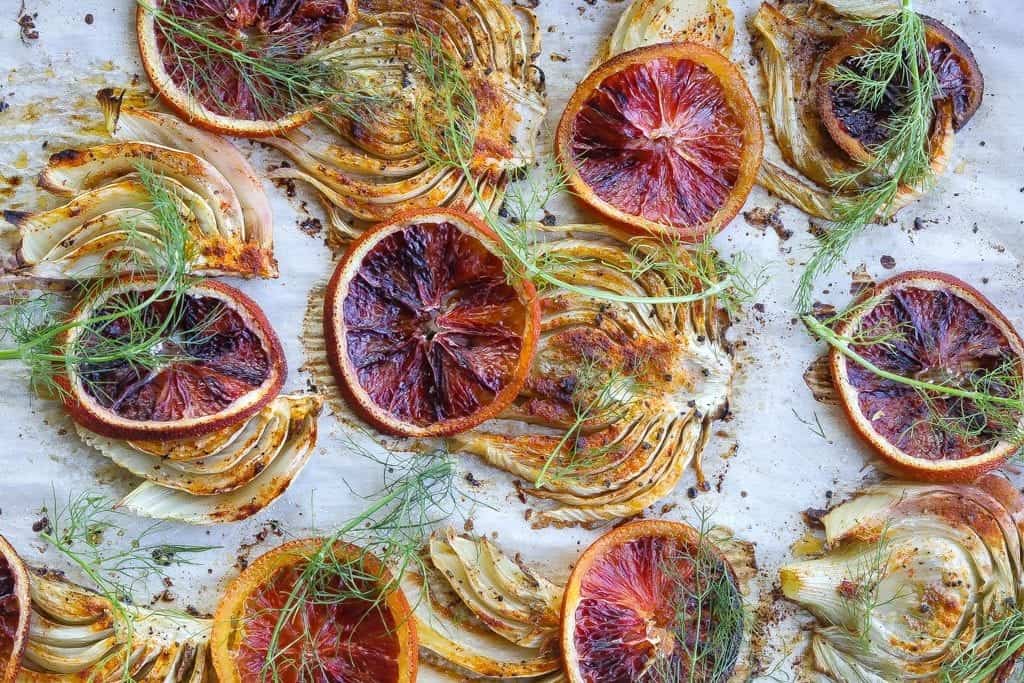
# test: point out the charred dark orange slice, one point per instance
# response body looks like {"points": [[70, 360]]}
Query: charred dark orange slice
{"points": [[15, 610], [214, 360], [664, 139], [184, 43], [639, 607], [857, 129], [339, 634], [426, 331], [940, 330]]}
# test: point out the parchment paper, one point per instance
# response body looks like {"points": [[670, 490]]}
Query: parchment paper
{"points": [[765, 465]]}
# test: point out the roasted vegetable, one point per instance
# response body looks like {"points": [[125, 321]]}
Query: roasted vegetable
{"points": [[919, 582], [369, 167], [483, 613], [109, 217], [226, 476]]}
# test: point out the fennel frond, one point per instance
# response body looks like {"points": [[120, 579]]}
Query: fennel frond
{"points": [[281, 71], [861, 591], [997, 642], [985, 401], [32, 328], [899, 58], [709, 615], [600, 394], [419, 492]]}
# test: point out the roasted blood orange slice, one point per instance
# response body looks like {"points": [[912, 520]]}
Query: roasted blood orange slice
{"points": [[856, 129], [213, 360], [665, 139], [338, 634], [14, 611], [956, 68], [426, 332], [209, 59], [652, 601], [940, 330]]}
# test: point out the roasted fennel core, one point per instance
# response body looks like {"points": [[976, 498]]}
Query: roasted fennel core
{"points": [[898, 60], [419, 492], [33, 327], [80, 530]]}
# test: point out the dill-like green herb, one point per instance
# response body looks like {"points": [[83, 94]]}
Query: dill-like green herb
{"points": [[814, 426], [898, 58], [34, 327], [709, 615], [419, 492], [445, 126], [690, 270], [280, 77], [984, 401], [600, 394], [994, 644], [78, 529]]}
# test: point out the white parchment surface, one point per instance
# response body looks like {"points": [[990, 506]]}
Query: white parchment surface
{"points": [[765, 465]]}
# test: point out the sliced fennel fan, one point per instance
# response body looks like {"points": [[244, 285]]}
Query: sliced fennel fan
{"points": [[372, 168], [224, 477], [219, 197]]}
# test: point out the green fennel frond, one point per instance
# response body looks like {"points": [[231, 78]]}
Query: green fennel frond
{"points": [[898, 58], [993, 645], [282, 72], [600, 394], [861, 591], [419, 492], [705, 601], [35, 330]]}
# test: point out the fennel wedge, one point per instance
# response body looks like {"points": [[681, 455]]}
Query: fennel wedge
{"points": [[918, 583]]}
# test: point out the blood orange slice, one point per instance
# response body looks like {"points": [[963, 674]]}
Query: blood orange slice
{"points": [[325, 638], [212, 360], [210, 59], [939, 330], [426, 332], [665, 139], [652, 601], [857, 129], [14, 611]]}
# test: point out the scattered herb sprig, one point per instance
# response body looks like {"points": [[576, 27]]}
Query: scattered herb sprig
{"points": [[419, 492], [993, 646], [897, 59], [600, 394], [279, 71], [705, 597], [861, 591], [988, 401]]}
